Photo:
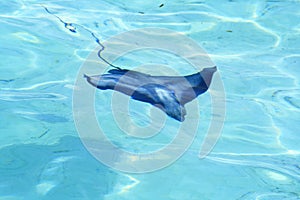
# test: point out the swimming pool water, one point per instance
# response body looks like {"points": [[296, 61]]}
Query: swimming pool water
{"points": [[256, 46]]}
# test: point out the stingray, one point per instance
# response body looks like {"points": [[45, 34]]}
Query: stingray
{"points": [[168, 93]]}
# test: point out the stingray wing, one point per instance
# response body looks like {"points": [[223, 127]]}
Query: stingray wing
{"points": [[161, 97], [183, 89], [187, 88]]}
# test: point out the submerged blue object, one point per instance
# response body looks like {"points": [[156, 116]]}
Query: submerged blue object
{"points": [[169, 93]]}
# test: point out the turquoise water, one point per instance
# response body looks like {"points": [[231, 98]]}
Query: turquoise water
{"points": [[256, 48]]}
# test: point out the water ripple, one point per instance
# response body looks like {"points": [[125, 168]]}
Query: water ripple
{"points": [[285, 166], [35, 86], [21, 96]]}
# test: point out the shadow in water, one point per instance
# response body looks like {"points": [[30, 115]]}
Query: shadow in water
{"points": [[61, 171]]}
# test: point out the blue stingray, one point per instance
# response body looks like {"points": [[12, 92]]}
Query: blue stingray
{"points": [[169, 93]]}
